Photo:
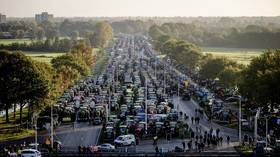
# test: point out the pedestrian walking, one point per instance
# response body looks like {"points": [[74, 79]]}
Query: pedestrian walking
{"points": [[208, 142], [184, 145], [192, 120], [217, 132], [73, 125], [156, 149], [228, 139], [84, 150], [155, 140], [221, 140], [198, 120], [211, 131], [80, 149]]}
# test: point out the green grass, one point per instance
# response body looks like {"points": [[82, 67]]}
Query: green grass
{"points": [[245, 149], [43, 56], [15, 134], [11, 130], [242, 56], [10, 41]]}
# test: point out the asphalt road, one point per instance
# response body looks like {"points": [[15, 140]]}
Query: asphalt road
{"points": [[189, 107], [83, 135]]}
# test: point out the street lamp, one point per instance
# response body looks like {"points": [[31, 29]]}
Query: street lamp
{"points": [[35, 117], [239, 117], [146, 110]]}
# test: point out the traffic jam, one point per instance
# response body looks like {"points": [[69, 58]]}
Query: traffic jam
{"points": [[133, 98]]}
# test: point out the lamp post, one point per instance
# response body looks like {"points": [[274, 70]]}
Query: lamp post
{"points": [[51, 126], [266, 130], [239, 132], [239, 118], [146, 110]]}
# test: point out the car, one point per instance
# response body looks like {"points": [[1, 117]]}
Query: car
{"points": [[44, 151], [106, 147], [97, 121], [30, 153], [125, 140]]}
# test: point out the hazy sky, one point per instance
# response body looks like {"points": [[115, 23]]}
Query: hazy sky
{"points": [[27, 8]]}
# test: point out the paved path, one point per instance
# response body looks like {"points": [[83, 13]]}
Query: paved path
{"points": [[83, 135]]}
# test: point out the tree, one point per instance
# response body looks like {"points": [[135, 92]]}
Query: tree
{"points": [[40, 33], [103, 35], [183, 52], [75, 35], [155, 32], [22, 80], [260, 80], [19, 34], [230, 76], [83, 51], [212, 67]]}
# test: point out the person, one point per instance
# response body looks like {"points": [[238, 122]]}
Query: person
{"points": [[190, 145], [84, 150], [95, 149], [80, 149], [211, 131], [156, 149], [199, 147], [228, 139], [155, 140], [198, 120], [250, 140], [192, 120], [217, 132], [208, 142], [73, 125], [184, 145], [221, 140]]}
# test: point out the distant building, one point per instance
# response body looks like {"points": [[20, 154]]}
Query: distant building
{"points": [[2, 18], [44, 16]]}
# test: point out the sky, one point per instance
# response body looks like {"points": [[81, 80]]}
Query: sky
{"points": [[112, 8]]}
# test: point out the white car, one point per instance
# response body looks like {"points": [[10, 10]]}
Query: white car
{"points": [[30, 153], [125, 140], [106, 147]]}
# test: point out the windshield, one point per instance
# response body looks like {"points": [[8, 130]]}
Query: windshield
{"points": [[120, 138], [28, 152]]}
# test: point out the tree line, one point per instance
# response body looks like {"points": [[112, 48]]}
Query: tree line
{"points": [[252, 36], [257, 82], [36, 84], [97, 34]]}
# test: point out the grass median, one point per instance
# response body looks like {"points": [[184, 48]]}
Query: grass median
{"points": [[12, 130]]}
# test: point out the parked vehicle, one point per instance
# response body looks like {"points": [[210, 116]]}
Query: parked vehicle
{"points": [[125, 140], [30, 153], [106, 147]]}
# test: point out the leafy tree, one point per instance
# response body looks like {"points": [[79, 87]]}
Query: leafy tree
{"points": [[75, 35], [212, 67], [21, 79], [260, 80], [40, 33], [83, 51], [103, 35], [183, 52], [155, 32]]}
